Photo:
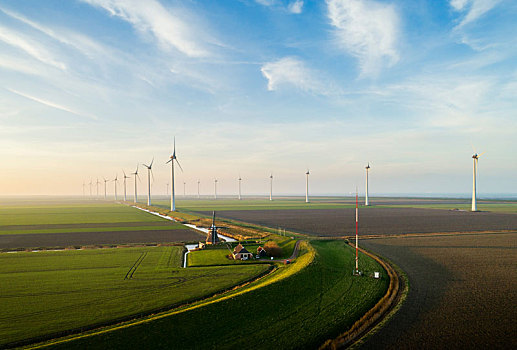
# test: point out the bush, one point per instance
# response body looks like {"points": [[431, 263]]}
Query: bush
{"points": [[272, 249]]}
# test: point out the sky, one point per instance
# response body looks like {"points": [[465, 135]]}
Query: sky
{"points": [[90, 89]]}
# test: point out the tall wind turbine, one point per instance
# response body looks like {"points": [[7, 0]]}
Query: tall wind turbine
{"points": [[105, 193], [198, 182], [149, 173], [173, 158], [136, 175], [307, 186], [475, 158], [125, 177], [215, 188], [366, 202], [115, 180], [240, 180], [271, 187]]}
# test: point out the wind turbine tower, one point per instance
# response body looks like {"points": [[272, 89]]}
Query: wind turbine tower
{"points": [[475, 158], [271, 187], [105, 187], [240, 180], [198, 188], [366, 202], [215, 188], [184, 189], [136, 175], [125, 177], [83, 188], [149, 173], [173, 158], [307, 186], [115, 180], [167, 188], [90, 188], [97, 185]]}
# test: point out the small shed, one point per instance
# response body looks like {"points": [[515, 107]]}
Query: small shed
{"points": [[261, 252]]}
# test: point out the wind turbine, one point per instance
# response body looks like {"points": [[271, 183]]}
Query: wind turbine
{"points": [[240, 179], [125, 177], [271, 187], [167, 188], [90, 188], [366, 202], [136, 175], [97, 183], [171, 160], [184, 191], [307, 186], [215, 188], [149, 173], [105, 187], [115, 180], [198, 182], [83, 188], [475, 158]]}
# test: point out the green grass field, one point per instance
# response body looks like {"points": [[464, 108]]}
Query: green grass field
{"points": [[47, 292], [302, 310]]}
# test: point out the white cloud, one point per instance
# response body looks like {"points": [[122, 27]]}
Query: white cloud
{"points": [[265, 2], [473, 9], [31, 48], [296, 7], [51, 104], [367, 30], [150, 17], [292, 71]]}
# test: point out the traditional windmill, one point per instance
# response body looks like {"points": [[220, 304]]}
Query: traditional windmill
{"points": [[212, 237]]}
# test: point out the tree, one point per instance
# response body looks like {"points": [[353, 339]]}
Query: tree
{"points": [[272, 249]]}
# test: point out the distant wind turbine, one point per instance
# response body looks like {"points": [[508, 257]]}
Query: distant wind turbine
{"points": [[149, 173], [136, 176], [215, 188], [105, 193], [184, 190], [271, 187], [171, 160], [475, 158], [125, 177], [198, 182], [97, 185], [240, 180], [307, 186], [115, 180], [83, 188], [167, 188], [90, 188], [366, 201]]}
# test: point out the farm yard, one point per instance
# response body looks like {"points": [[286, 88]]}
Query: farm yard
{"points": [[374, 220], [463, 292]]}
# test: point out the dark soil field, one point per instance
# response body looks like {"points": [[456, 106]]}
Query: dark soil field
{"points": [[378, 221], [50, 240], [463, 292]]}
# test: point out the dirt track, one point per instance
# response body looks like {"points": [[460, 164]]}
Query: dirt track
{"points": [[340, 222], [463, 292], [93, 238]]}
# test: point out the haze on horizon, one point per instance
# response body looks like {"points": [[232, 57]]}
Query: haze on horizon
{"points": [[89, 88]]}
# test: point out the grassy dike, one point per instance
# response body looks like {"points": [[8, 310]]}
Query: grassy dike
{"points": [[299, 306]]}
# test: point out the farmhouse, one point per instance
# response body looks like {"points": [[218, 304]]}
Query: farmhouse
{"points": [[261, 252], [241, 253]]}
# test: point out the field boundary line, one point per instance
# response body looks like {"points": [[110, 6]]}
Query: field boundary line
{"points": [[375, 314], [259, 282]]}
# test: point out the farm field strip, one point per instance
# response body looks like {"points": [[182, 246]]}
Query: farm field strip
{"points": [[92, 229], [462, 294], [90, 287]]}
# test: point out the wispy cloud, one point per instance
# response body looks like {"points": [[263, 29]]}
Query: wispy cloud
{"points": [[30, 47], [51, 104], [368, 30], [472, 9], [150, 17], [295, 7], [292, 71]]}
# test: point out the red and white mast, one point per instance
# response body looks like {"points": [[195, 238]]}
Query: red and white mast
{"points": [[356, 232]]}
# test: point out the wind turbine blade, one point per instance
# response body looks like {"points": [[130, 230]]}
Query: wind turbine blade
{"points": [[473, 148], [479, 155], [179, 164], [167, 162], [152, 174]]}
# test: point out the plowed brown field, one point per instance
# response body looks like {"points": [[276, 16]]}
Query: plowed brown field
{"points": [[463, 292]]}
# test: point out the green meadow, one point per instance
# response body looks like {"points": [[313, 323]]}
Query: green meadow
{"points": [[314, 300], [45, 293]]}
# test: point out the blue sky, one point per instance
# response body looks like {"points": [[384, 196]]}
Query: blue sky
{"points": [[91, 87]]}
